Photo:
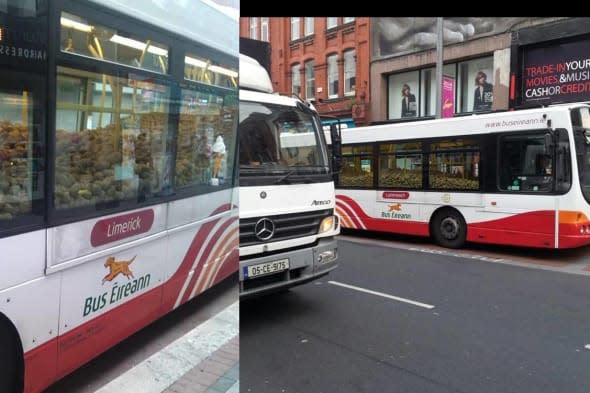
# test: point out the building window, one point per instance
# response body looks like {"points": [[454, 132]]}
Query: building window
{"points": [[428, 89], [308, 28], [295, 29], [346, 20], [332, 77], [296, 77], [476, 85], [402, 98], [349, 72], [413, 94], [264, 33], [309, 80], [254, 28], [331, 22]]}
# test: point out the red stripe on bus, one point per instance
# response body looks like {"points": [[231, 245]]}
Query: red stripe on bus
{"points": [[40, 367], [217, 260], [352, 209], [178, 279], [230, 263], [204, 256], [94, 337]]}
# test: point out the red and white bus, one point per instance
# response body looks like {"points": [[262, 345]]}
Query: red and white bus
{"points": [[515, 178], [118, 180]]}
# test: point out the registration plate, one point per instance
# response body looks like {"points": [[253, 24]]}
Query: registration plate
{"points": [[266, 268]]}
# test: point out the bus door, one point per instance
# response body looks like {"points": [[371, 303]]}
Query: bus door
{"points": [[525, 207]]}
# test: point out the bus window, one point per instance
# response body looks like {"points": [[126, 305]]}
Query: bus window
{"points": [[400, 165], [205, 128], [454, 164], [20, 156], [111, 138], [524, 163], [357, 164]]}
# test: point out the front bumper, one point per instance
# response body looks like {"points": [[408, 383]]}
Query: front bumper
{"points": [[305, 264]]}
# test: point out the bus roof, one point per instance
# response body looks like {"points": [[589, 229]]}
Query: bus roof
{"points": [[180, 19], [526, 119]]}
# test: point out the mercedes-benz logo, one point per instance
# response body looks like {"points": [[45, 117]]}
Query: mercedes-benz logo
{"points": [[264, 229]]}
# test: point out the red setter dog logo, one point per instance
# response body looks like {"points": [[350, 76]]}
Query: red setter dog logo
{"points": [[395, 207], [118, 267]]}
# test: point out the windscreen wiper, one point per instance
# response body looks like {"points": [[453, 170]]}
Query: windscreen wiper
{"points": [[285, 179]]}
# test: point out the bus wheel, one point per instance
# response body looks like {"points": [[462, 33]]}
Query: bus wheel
{"points": [[8, 361], [449, 229]]}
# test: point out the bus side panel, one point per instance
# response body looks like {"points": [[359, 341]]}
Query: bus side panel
{"points": [[509, 230], [521, 220], [391, 217], [33, 308], [28, 252], [204, 253], [109, 298], [89, 340]]}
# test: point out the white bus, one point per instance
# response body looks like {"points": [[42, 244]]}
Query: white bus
{"points": [[287, 221], [515, 178], [118, 178]]}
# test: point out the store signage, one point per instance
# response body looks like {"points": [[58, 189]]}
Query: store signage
{"points": [[23, 41], [555, 74], [448, 96]]}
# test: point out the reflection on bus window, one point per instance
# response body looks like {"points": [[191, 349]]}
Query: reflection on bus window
{"points": [[111, 136], [81, 37], [205, 137], [200, 69], [19, 155]]}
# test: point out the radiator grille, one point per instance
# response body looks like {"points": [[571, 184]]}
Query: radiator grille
{"points": [[287, 226]]}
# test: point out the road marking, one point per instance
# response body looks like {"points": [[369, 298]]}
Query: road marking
{"points": [[162, 369], [399, 299]]}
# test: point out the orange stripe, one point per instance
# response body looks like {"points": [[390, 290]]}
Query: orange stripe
{"points": [[572, 217]]}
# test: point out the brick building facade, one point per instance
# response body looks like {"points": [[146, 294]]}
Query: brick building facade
{"points": [[323, 60]]}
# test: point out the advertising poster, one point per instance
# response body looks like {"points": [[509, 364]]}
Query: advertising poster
{"points": [[555, 74], [448, 96]]}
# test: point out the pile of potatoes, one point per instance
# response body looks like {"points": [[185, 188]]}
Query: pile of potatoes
{"points": [[441, 181], [401, 179], [86, 162], [192, 155], [15, 170]]}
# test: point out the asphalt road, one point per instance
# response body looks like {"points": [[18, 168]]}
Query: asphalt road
{"points": [[420, 319]]}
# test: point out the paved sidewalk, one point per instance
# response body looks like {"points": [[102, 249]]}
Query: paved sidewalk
{"points": [[219, 373], [205, 360]]}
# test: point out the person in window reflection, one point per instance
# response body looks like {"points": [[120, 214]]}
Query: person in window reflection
{"points": [[483, 94], [408, 102]]}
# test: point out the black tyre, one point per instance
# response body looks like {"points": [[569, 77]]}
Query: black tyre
{"points": [[10, 381], [449, 228]]}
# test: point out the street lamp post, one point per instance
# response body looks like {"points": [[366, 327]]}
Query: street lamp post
{"points": [[439, 66]]}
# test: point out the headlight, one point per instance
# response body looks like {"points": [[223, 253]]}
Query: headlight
{"points": [[327, 224]]}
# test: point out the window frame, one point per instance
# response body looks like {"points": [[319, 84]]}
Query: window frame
{"points": [[348, 55], [331, 70]]}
